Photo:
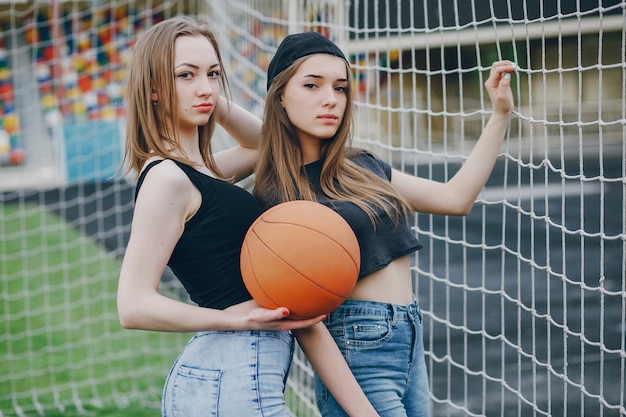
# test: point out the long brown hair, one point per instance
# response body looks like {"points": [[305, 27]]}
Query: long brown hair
{"points": [[151, 125], [279, 173]]}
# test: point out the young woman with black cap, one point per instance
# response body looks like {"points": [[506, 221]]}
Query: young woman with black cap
{"points": [[306, 154], [189, 215]]}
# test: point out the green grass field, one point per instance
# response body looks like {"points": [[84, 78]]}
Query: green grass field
{"points": [[63, 351], [62, 347]]}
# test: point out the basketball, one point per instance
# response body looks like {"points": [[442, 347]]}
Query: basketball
{"points": [[301, 255]]}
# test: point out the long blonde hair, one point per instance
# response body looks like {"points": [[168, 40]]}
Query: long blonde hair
{"points": [[280, 175], [151, 125]]}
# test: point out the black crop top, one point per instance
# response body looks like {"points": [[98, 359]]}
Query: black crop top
{"points": [[206, 258], [380, 245]]}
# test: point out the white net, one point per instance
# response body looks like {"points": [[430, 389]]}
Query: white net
{"points": [[63, 221], [524, 300]]}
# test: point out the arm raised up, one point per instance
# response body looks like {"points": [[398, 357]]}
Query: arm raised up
{"points": [[457, 196]]}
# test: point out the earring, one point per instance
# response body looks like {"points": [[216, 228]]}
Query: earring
{"points": [[154, 103]]}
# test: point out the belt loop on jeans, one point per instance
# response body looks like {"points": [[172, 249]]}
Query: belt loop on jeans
{"points": [[413, 310], [401, 310]]}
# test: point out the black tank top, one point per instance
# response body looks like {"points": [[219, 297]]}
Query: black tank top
{"points": [[206, 258]]}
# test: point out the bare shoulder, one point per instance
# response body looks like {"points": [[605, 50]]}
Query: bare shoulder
{"points": [[166, 177]]}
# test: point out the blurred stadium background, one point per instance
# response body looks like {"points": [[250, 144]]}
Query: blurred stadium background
{"points": [[524, 300]]}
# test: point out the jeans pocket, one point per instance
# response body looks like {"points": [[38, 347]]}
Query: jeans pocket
{"points": [[367, 333], [195, 392]]}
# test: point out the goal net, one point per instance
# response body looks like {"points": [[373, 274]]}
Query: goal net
{"points": [[523, 300]]}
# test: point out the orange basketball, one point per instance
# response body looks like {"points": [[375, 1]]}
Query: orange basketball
{"points": [[301, 255]]}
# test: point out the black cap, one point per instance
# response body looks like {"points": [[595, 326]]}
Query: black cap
{"points": [[296, 46]]}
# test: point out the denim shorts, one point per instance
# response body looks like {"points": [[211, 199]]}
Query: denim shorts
{"points": [[230, 373], [383, 345]]}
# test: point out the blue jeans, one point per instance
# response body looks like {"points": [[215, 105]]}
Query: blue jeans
{"points": [[230, 373], [383, 345]]}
